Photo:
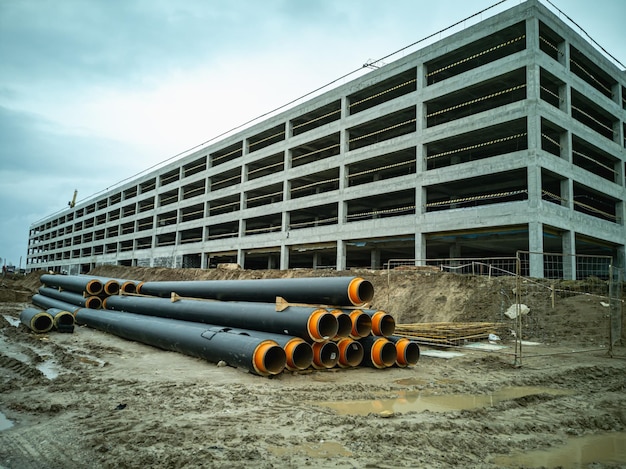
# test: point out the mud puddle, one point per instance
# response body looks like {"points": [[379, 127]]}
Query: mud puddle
{"points": [[608, 448], [418, 401], [5, 423], [324, 449]]}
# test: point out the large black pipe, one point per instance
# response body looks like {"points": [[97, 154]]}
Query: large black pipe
{"points": [[334, 291], [112, 285], [350, 352], [46, 302], [383, 323], [325, 355], [91, 302], [213, 343], [407, 351], [73, 283], [63, 320], [308, 323], [299, 352], [36, 320], [379, 352]]}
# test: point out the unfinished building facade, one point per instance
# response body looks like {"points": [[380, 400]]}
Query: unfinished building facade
{"points": [[509, 135]]}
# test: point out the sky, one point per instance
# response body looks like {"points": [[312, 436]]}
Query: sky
{"points": [[93, 92]]}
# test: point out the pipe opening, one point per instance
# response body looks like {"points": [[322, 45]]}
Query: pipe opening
{"points": [[94, 287], [408, 352], [361, 324], [325, 354], [41, 322], [351, 352], [64, 318], [322, 325], [383, 324], [344, 322], [269, 358], [299, 354], [93, 302], [360, 291], [383, 353], [128, 288], [112, 287]]}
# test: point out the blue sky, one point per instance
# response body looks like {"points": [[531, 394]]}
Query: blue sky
{"points": [[95, 91]]}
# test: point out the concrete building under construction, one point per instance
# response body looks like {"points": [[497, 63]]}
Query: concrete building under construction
{"points": [[508, 135]]}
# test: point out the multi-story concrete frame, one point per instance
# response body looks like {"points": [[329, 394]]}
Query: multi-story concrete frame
{"points": [[508, 135]]}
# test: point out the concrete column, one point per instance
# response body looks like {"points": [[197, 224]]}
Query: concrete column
{"points": [[420, 248], [241, 257], [568, 241], [284, 257], [566, 146], [535, 246], [375, 259], [534, 186], [567, 193], [341, 254], [316, 260]]}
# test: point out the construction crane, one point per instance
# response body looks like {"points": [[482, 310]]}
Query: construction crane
{"points": [[72, 202]]}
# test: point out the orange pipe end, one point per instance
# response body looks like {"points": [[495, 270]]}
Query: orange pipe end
{"points": [[383, 324], [383, 353], [93, 302], [128, 287], [361, 324], [138, 288], [360, 291], [351, 353], [299, 354], [407, 352], [325, 355], [268, 358], [112, 287], [344, 322], [322, 325], [94, 287]]}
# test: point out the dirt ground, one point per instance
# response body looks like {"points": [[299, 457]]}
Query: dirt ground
{"points": [[93, 400]]}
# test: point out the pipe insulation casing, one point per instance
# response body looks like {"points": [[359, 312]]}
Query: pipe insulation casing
{"points": [[383, 323], [336, 291], [344, 322], [325, 355], [63, 320], [361, 324], [299, 353], [47, 302], [407, 351], [73, 283], [112, 286], [36, 320], [379, 352], [308, 323], [210, 342], [91, 302], [350, 353]]}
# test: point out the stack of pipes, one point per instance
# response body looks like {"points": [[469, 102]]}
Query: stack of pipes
{"points": [[263, 325]]}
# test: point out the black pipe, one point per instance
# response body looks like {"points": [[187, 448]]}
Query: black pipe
{"points": [[73, 283], [47, 302], [334, 291], [116, 285], [361, 324], [350, 352], [383, 323], [91, 302], [210, 342], [36, 320], [325, 355], [299, 352], [307, 323], [344, 322], [407, 351], [110, 286], [379, 352], [62, 319]]}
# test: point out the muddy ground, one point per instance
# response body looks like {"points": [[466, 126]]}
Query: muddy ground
{"points": [[89, 399]]}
